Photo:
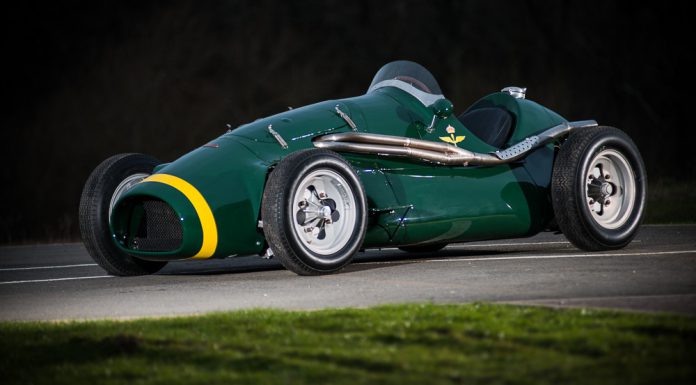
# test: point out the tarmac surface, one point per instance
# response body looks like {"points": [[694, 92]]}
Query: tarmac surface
{"points": [[656, 272]]}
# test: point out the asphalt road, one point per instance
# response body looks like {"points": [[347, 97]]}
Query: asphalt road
{"points": [[657, 272]]}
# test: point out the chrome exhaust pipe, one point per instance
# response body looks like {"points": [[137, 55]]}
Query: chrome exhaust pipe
{"points": [[386, 145], [440, 153]]}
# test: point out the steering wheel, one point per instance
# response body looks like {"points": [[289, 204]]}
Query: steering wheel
{"points": [[414, 82]]}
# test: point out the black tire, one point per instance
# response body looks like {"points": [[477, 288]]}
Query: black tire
{"points": [[94, 214], [431, 248], [281, 215], [578, 195]]}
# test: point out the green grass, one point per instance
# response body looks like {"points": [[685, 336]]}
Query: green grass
{"points": [[671, 201], [407, 344]]}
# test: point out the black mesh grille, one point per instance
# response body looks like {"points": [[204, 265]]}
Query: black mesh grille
{"points": [[159, 229]]}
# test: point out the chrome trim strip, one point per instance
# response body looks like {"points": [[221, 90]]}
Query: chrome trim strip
{"points": [[347, 118], [277, 137]]}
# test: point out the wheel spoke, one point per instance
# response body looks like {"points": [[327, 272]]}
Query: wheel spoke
{"points": [[311, 197], [306, 216]]}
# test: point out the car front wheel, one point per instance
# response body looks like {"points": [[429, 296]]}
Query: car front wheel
{"points": [[111, 179], [314, 212]]}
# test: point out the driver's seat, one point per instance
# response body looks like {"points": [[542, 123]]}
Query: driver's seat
{"points": [[492, 125]]}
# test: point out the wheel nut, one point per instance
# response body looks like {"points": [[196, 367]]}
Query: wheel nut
{"points": [[607, 202], [592, 201], [322, 195], [308, 229], [606, 176]]}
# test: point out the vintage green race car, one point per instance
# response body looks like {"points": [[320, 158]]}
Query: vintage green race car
{"points": [[395, 167]]}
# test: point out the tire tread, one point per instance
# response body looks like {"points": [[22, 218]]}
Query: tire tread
{"points": [[94, 228], [274, 197], [567, 201]]}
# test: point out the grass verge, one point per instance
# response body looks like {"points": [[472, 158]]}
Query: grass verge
{"points": [[671, 201], [405, 344]]}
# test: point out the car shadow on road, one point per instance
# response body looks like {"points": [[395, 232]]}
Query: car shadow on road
{"points": [[364, 261], [225, 266]]}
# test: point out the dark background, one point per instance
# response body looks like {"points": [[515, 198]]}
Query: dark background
{"points": [[84, 80]]}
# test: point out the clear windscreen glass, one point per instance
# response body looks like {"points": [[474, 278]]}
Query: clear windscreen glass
{"points": [[408, 72]]}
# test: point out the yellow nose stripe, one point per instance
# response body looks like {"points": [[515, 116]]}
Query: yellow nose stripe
{"points": [[205, 215]]}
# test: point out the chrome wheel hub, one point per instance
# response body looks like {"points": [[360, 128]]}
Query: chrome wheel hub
{"points": [[324, 212], [610, 189]]}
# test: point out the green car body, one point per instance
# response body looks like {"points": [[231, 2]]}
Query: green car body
{"points": [[216, 190]]}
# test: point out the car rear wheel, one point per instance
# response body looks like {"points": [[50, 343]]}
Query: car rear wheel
{"points": [[599, 189], [105, 185], [314, 212]]}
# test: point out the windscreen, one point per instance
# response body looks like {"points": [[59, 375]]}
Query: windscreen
{"points": [[408, 72]]}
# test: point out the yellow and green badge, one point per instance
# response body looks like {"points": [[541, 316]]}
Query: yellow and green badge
{"points": [[452, 138]]}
